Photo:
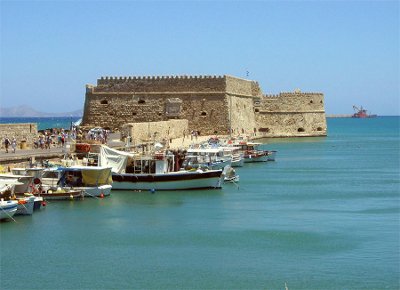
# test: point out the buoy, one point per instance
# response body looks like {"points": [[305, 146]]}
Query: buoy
{"points": [[44, 203], [152, 190], [101, 195]]}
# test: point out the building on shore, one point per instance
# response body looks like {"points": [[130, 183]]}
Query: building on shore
{"points": [[220, 105]]}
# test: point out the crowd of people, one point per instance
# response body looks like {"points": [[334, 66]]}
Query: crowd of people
{"points": [[58, 137]]}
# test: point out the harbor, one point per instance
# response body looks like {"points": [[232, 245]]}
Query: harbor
{"points": [[304, 211]]}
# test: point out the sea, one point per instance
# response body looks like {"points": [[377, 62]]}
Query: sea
{"points": [[324, 215], [43, 123]]}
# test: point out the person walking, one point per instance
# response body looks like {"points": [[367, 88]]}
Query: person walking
{"points": [[6, 143], [14, 144]]}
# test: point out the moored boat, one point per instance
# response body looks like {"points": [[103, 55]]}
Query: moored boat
{"points": [[25, 205], [155, 172], [60, 194], [8, 208], [92, 181]]}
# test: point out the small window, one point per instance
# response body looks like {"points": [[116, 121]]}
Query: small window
{"points": [[203, 114], [141, 102], [319, 129], [256, 110], [265, 130], [311, 102], [104, 102], [160, 114], [134, 113], [300, 130], [320, 102]]}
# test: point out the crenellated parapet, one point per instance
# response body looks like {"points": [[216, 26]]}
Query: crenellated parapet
{"points": [[172, 83], [292, 102]]}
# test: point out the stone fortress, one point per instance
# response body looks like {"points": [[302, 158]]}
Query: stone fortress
{"points": [[220, 105]]}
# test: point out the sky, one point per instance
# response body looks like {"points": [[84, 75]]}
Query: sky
{"points": [[348, 50]]}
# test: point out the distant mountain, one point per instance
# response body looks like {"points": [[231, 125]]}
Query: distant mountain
{"points": [[27, 111]]}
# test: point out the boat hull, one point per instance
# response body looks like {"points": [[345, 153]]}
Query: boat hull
{"points": [[180, 180], [271, 155], [8, 209], [99, 191], [255, 158], [75, 194], [25, 206], [238, 162]]}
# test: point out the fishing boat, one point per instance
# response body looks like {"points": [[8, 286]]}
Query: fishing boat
{"points": [[60, 194], [26, 205], [252, 153], [8, 208], [8, 205], [155, 172], [211, 158], [92, 181]]}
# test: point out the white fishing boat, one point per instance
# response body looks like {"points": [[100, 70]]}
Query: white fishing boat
{"points": [[19, 186], [251, 151], [230, 175], [8, 208], [25, 205], [211, 158], [155, 172], [92, 181], [237, 158]]}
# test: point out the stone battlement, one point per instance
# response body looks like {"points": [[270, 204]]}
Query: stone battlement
{"points": [[104, 80], [293, 94]]}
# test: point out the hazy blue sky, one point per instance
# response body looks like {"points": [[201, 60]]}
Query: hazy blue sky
{"points": [[349, 50]]}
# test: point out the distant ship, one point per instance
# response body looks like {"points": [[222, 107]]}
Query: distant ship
{"points": [[361, 113]]}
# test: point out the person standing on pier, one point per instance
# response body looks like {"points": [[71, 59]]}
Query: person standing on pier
{"points": [[6, 143], [14, 144]]}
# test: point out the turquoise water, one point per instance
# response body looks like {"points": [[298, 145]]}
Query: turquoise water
{"points": [[325, 215], [43, 123]]}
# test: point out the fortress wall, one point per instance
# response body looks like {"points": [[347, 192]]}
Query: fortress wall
{"points": [[21, 131], [161, 84], [291, 125], [293, 102], [291, 114], [242, 115], [155, 131], [206, 113], [237, 86]]}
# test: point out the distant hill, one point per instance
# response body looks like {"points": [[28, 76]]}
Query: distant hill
{"points": [[27, 111]]}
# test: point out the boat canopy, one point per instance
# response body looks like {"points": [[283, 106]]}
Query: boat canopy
{"points": [[113, 158], [91, 175]]}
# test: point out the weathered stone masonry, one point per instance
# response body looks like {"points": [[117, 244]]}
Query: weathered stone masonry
{"points": [[22, 132], [211, 104]]}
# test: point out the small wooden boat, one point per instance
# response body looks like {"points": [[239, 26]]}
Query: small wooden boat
{"points": [[60, 194], [25, 205], [8, 208]]}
